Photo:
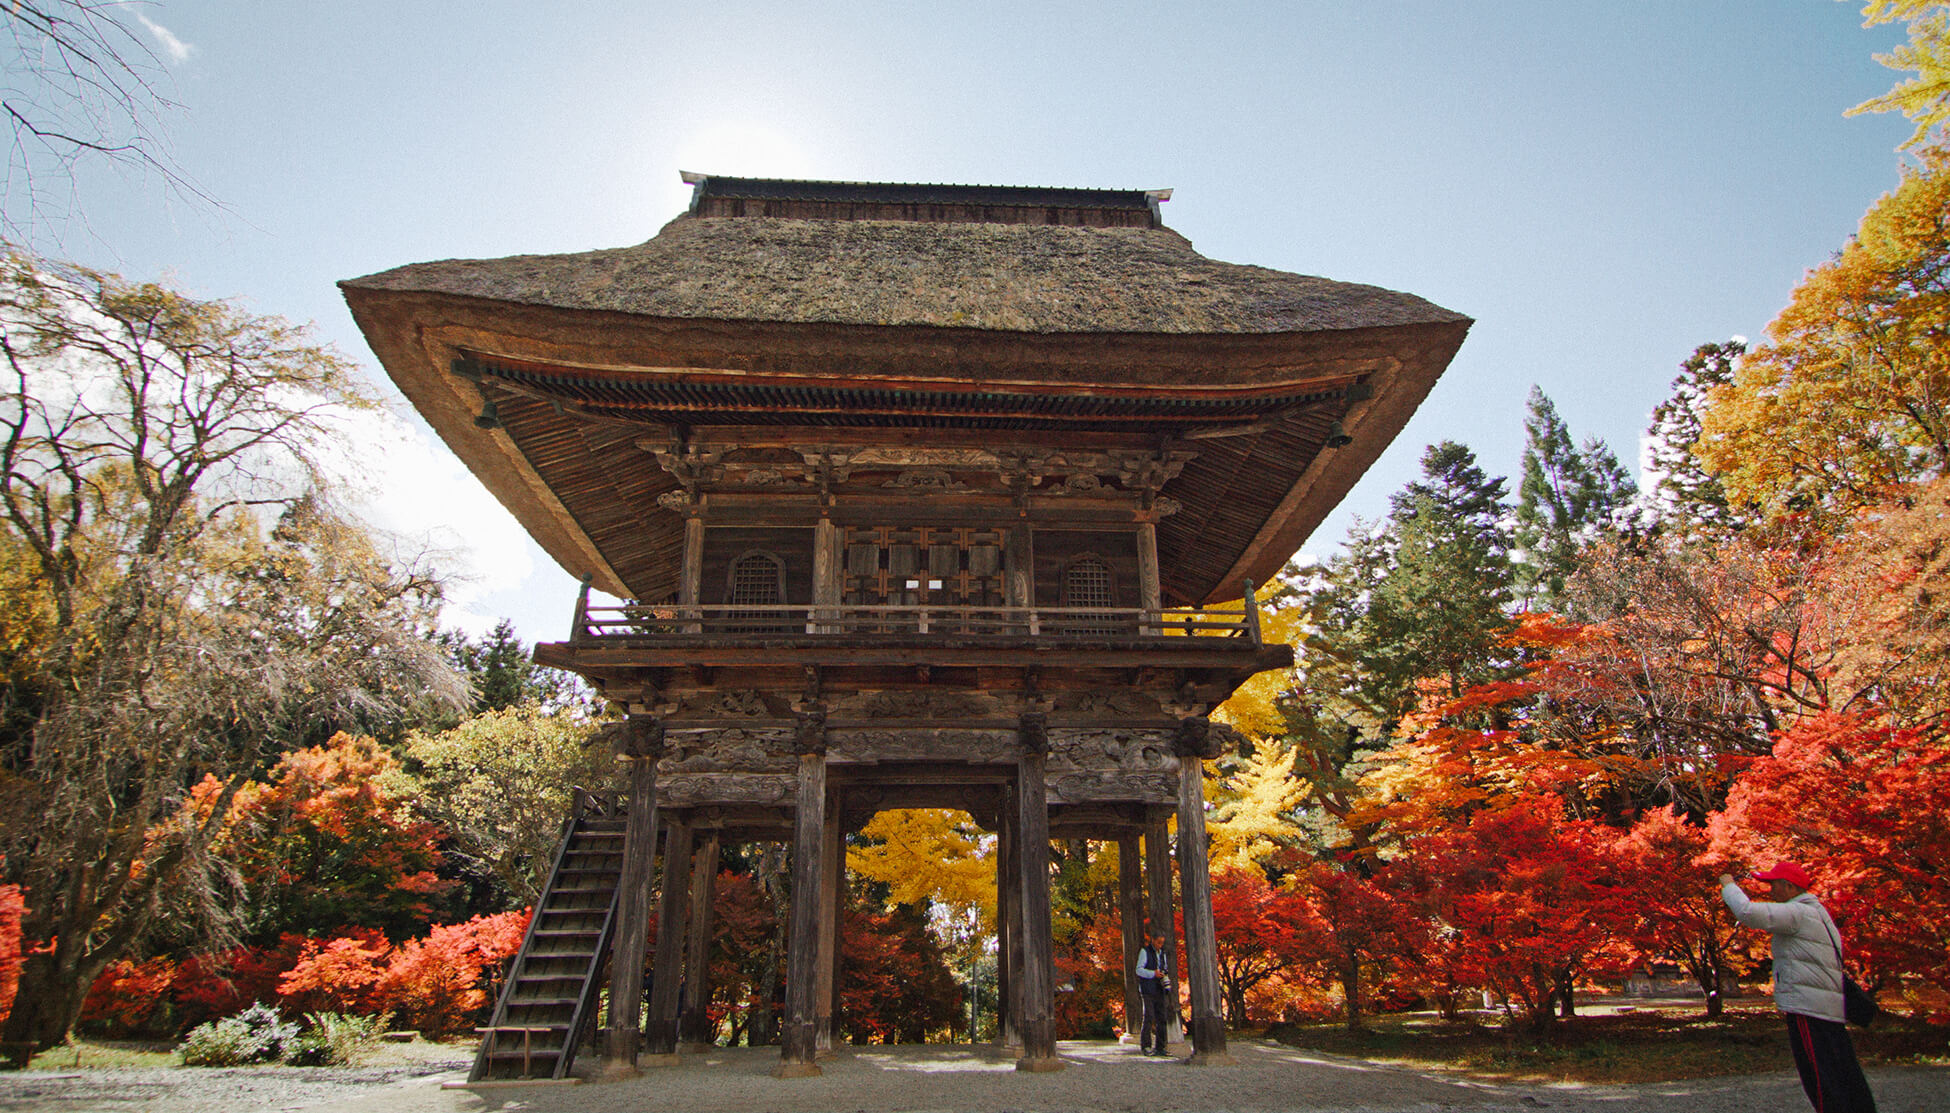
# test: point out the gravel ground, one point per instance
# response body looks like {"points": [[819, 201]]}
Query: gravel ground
{"points": [[1099, 1077]]}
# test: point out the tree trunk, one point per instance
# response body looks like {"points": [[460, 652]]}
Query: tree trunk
{"points": [[1710, 976], [763, 1029], [1351, 990], [48, 1001], [1236, 1006], [1543, 989]]}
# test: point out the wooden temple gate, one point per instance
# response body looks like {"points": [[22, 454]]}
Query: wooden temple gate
{"points": [[915, 496]]}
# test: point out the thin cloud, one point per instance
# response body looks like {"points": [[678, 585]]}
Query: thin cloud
{"points": [[173, 48]]}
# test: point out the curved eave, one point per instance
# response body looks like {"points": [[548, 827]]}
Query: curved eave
{"points": [[418, 335]]}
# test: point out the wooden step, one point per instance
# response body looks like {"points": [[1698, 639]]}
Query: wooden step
{"points": [[534, 1002], [534, 1023]]}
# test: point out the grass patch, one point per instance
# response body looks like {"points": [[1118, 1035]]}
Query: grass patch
{"points": [[1646, 1045], [92, 1054], [100, 1054]]}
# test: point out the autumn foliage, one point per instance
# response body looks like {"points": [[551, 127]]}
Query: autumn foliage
{"points": [[329, 838], [11, 909], [439, 983]]}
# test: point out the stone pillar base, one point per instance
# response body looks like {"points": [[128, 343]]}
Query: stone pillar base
{"points": [[796, 1070], [616, 1070], [1212, 1059], [1040, 1065]]}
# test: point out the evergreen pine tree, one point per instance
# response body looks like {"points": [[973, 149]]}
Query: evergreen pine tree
{"points": [[1681, 496], [503, 675], [1426, 594], [1566, 496]]}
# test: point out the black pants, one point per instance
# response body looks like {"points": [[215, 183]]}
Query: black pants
{"points": [[1829, 1072], [1154, 1022]]}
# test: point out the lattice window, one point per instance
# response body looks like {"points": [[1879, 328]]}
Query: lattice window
{"points": [[757, 579], [1087, 583]]}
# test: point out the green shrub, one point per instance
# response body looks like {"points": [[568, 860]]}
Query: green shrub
{"points": [[259, 1034], [335, 1040], [311, 1049]]}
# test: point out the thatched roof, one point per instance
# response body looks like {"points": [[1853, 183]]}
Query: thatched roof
{"points": [[1002, 277], [945, 303]]}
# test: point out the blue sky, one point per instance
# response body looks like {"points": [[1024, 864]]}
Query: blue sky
{"points": [[1602, 186]]}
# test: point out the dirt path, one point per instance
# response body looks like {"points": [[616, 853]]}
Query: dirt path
{"points": [[1100, 1077]]}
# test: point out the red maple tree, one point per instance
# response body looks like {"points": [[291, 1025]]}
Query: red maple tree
{"points": [[1866, 807]]}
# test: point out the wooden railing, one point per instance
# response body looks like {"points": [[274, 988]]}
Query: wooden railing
{"points": [[584, 804], [642, 621]]}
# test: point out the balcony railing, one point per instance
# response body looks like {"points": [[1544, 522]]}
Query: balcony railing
{"points": [[652, 622]]}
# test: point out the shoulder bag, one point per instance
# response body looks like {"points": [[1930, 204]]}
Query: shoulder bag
{"points": [[1860, 1008]]}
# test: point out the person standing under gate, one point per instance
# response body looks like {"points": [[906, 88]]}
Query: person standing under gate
{"points": [[1153, 978], [1807, 984]]}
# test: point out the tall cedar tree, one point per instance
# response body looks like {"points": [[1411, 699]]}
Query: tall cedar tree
{"points": [[503, 674], [184, 604], [1566, 496], [1424, 597], [1681, 497]]}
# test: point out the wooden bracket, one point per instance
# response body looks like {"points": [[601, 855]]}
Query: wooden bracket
{"points": [[640, 737], [809, 733], [1033, 728]]}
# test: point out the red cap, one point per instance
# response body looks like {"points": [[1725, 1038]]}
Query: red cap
{"points": [[1788, 872]]}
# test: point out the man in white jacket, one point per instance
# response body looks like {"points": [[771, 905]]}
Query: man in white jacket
{"points": [[1807, 984]]}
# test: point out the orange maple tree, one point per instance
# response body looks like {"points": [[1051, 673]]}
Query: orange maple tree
{"points": [[1866, 807], [12, 908], [327, 840]]}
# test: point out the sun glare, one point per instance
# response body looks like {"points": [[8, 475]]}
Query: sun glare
{"points": [[744, 150]]}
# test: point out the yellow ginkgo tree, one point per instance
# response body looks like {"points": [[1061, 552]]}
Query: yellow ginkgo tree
{"points": [[1924, 98], [1850, 396]]}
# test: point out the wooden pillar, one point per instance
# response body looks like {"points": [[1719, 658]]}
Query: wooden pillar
{"points": [[799, 1039], [1195, 885], [832, 870], [1130, 906], [1019, 571], [690, 578], [640, 744], [1038, 978], [1157, 885], [694, 1031], [828, 559], [1008, 916], [673, 909], [1149, 595]]}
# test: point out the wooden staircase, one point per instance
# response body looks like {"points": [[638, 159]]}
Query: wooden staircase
{"points": [[549, 999]]}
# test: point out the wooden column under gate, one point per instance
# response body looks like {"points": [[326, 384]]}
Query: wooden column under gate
{"points": [[641, 744], [1195, 884], [667, 978], [1037, 979], [832, 866], [693, 1021], [799, 1038], [1157, 885], [1008, 932], [1130, 908]]}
